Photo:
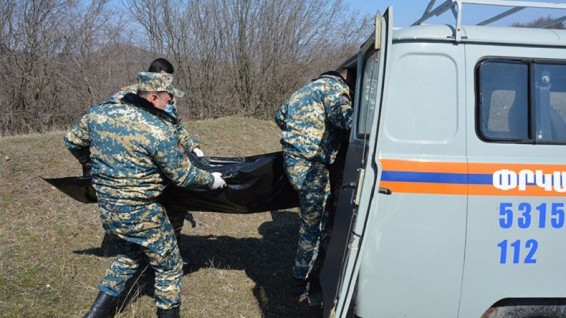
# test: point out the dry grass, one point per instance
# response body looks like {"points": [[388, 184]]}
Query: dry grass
{"points": [[52, 253]]}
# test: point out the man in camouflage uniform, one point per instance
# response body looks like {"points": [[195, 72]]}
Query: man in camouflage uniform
{"points": [[162, 65], [186, 142], [131, 147], [312, 122]]}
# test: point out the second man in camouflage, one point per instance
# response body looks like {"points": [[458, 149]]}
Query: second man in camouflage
{"points": [[312, 122]]}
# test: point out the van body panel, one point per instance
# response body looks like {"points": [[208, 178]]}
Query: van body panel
{"points": [[505, 259], [414, 246], [404, 266], [414, 120]]}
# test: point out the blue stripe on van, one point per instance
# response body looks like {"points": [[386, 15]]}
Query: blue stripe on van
{"points": [[436, 177]]}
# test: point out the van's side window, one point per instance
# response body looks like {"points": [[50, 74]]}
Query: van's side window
{"points": [[549, 86], [504, 101], [522, 102], [368, 95]]}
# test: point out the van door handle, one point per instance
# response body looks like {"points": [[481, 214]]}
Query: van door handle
{"points": [[351, 185]]}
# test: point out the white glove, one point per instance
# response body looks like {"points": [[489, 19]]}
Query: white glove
{"points": [[198, 152], [218, 182]]}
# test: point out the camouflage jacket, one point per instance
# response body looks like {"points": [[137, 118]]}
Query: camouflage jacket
{"points": [[314, 118], [132, 147], [185, 139]]}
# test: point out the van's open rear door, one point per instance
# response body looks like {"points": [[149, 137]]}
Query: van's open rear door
{"points": [[338, 276]]}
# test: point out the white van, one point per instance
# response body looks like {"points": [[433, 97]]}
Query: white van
{"points": [[458, 206]]}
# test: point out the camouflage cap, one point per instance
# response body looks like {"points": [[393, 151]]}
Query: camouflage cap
{"points": [[157, 82]]}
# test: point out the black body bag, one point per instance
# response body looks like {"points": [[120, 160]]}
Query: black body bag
{"points": [[253, 184]]}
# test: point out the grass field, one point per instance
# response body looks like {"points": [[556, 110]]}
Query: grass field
{"points": [[52, 253]]}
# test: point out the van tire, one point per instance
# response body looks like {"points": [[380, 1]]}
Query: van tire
{"points": [[527, 311]]}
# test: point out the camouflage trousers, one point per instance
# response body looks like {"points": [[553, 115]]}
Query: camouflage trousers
{"points": [[177, 219], [312, 182], [143, 230]]}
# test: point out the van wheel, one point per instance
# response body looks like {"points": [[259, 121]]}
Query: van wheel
{"points": [[537, 311]]}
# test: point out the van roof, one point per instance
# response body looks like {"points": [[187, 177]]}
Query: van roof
{"points": [[483, 34]]}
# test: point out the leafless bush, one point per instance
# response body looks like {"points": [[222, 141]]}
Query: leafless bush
{"points": [[233, 57]]}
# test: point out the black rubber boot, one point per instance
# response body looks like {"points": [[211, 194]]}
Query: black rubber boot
{"points": [[169, 313], [299, 287], [104, 306], [314, 285]]}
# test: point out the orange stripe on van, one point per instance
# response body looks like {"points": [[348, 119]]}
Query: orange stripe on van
{"points": [[463, 167], [433, 177]]}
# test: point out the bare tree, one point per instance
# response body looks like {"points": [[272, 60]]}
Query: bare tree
{"points": [[244, 57], [27, 43], [233, 57], [47, 48]]}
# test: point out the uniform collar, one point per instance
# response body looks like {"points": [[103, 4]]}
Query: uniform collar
{"points": [[136, 100]]}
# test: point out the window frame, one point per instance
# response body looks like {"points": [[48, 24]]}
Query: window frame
{"points": [[532, 105]]}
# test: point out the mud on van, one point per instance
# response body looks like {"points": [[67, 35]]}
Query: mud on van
{"points": [[454, 190]]}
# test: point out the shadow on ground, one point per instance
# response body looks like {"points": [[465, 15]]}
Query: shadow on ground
{"points": [[267, 261]]}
